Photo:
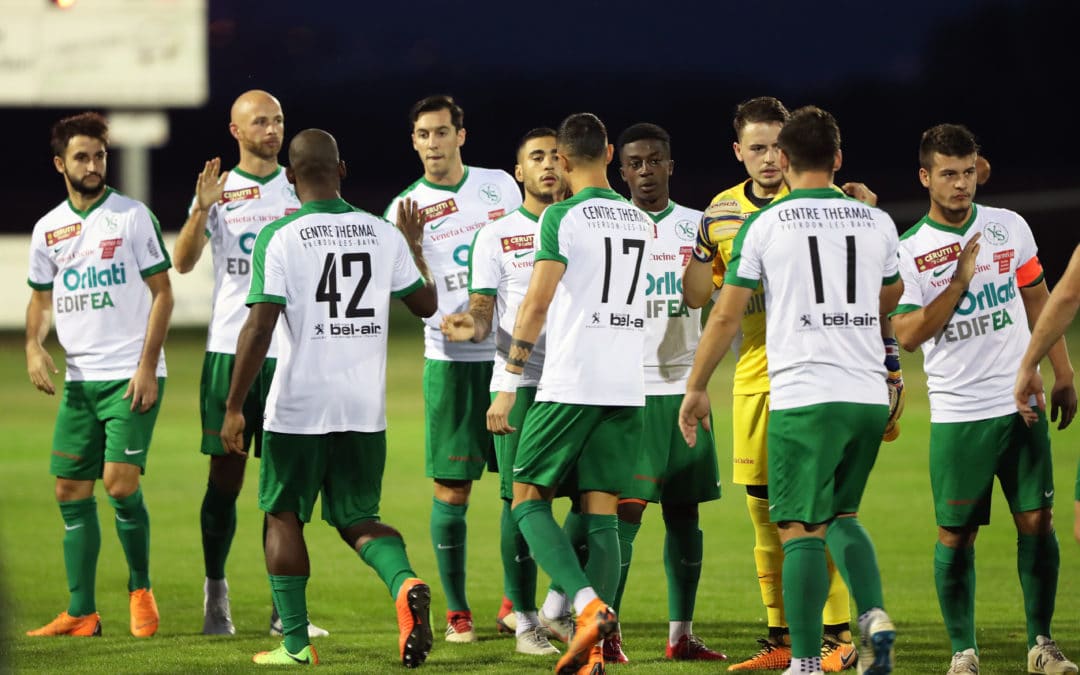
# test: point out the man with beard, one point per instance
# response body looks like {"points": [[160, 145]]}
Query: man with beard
{"points": [[452, 202], [97, 259], [500, 266], [228, 211]]}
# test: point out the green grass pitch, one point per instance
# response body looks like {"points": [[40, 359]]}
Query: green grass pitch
{"points": [[348, 599]]}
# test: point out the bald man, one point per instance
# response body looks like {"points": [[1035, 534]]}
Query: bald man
{"points": [[228, 211], [325, 437]]}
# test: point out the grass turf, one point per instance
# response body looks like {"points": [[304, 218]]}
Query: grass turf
{"points": [[347, 598]]}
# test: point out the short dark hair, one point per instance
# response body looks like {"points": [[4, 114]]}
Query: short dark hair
{"points": [[759, 109], [538, 132], [810, 138], [434, 104], [90, 124], [583, 135], [644, 131], [951, 140]]}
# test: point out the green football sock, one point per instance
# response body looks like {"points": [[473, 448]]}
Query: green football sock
{"points": [[550, 546], [448, 538], [133, 529], [290, 598], [954, 577], [519, 569], [578, 534], [683, 552], [1038, 560], [82, 543], [217, 518], [854, 555], [806, 585], [627, 533], [386, 555], [604, 564]]}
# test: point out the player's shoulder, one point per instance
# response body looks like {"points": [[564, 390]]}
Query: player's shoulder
{"points": [[412, 187], [680, 212], [61, 214], [479, 173], [984, 213], [731, 198]]}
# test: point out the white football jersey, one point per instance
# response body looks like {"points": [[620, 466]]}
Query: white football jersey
{"points": [[94, 262], [823, 259], [451, 215], [596, 321], [672, 329], [971, 365], [501, 265], [334, 268], [248, 204]]}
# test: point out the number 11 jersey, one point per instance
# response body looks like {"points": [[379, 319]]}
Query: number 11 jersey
{"points": [[596, 322], [334, 268]]}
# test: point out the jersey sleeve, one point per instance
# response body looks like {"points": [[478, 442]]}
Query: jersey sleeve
{"points": [[892, 252], [406, 278], [150, 250], [555, 239], [390, 214], [42, 268], [744, 268], [1029, 271], [485, 268], [268, 281], [912, 298]]}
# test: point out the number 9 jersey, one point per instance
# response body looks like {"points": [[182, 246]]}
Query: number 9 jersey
{"points": [[823, 259], [596, 321], [334, 268]]}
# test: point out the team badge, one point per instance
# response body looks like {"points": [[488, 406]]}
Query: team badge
{"points": [[489, 193], [995, 233], [686, 230]]}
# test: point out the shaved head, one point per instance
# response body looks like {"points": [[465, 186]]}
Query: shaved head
{"points": [[313, 157], [249, 100]]}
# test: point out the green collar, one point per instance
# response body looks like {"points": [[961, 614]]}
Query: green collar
{"points": [[261, 181], [101, 200]]}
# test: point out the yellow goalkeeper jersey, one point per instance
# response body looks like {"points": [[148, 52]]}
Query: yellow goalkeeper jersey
{"points": [[752, 370]]}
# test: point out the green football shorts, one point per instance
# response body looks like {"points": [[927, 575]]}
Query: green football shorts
{"points": [[457, 442], [95, 425], [214, 390]]}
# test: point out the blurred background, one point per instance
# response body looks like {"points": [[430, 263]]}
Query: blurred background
{"points": [[887, 71]]}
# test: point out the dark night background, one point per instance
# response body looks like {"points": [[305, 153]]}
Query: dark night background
{"points": [[1003, 67]]}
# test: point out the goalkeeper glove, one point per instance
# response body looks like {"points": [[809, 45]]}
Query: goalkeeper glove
{"points": [[720, 221], [895, 381]]}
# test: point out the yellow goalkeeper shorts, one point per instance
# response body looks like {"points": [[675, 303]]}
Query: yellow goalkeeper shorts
{"points": [[750, 426]]}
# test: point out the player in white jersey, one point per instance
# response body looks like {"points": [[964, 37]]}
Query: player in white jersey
{"points": [[588, 286], [98, 262], [666, 470], [329, 271], [452, 201], [500, 266], [829, 271], [228, 211], [972, 285]]}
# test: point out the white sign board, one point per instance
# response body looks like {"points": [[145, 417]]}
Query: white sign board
{"points": [[104, 53]]}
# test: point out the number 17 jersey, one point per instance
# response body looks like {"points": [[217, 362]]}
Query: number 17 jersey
{"points": [[334, 268], [596, 322]]}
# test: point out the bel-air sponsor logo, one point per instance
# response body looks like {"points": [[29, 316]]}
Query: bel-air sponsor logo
{"points": [[932, 259], [62, 233]]}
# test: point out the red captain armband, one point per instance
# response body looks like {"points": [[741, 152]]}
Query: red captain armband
{"points": [[1029, 273]]}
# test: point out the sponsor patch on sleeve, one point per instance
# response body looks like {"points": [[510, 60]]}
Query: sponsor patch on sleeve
{"points": [[932, 259], [241, 195], [517, 242], [62, 233], [438, 210]]}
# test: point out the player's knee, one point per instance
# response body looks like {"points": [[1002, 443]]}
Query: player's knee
{"points": [[957, 537], [1038, 522], [631, 511], [68, 490], [453, 491], [227, 473], [680, 513], [359, 534]]}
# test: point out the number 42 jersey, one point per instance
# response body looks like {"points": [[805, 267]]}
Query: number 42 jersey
{"points": [[334, 268]]}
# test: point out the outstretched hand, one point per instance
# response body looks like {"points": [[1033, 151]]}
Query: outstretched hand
{"points": [[210, 186]]}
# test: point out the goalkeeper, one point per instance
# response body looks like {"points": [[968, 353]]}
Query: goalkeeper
{"points": [[757, 125]]}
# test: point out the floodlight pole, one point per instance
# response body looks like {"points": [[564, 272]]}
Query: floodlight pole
{"points": [[135, 133]]}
